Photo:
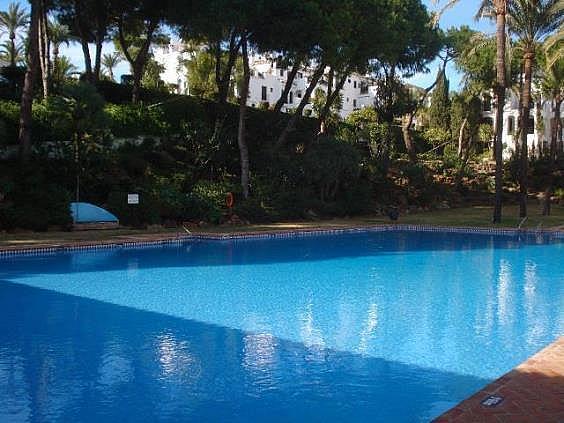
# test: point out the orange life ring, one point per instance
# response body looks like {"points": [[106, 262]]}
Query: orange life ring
{"points": [[229, 200]]}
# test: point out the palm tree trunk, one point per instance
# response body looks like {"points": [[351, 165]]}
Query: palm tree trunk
{"points": [[525, 100], [241, 141], [12, 49], [43, 43], [500, 10], [554, 128], [24, 137]]}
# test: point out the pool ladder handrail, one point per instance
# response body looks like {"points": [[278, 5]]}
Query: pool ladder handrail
{"points": [[522, 221]]}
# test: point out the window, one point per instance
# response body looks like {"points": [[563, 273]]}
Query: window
{"points": [[300, 75], [281, 72], [291, 97], [510, 125], [354, 103], [263, 96], [271, 89], [299, 94], [355, 84], [531, 126], [349, 81], [487, 103], [347, 99], [363, 88]]}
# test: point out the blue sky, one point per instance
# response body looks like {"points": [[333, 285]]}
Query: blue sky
{"points": [[462, 14]]}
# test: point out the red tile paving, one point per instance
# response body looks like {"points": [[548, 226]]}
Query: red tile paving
{"points": [[532, 392]]}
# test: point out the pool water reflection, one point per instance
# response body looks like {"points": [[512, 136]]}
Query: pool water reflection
{"points": [[368, 326]]}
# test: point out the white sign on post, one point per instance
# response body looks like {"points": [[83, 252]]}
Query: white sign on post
{"points": [[132, 198]]}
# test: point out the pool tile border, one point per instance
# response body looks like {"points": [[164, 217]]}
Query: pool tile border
{"points": [[179, 239]]}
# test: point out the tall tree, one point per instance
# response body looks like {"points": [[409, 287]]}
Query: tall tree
{"points": [[531, 21], [89, 21], [44, 48], [24, 137], [110, 61], [12, 21], [14, 54], [497, 10], [439, 110], [58, 35], [137, 27]]}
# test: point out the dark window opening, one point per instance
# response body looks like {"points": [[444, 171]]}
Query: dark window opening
{"points": [[263, 96], [531, 126], [510, 125], [487, 103]]}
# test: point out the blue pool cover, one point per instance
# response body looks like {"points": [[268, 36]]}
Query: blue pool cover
{"points": [[89, 213], [361, 327]]}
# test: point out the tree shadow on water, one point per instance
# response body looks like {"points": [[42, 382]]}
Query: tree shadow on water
{"points": [[66, 358]]}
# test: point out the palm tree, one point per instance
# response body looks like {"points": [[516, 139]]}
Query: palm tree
{"points": [[531, 21], [495, 9], [63, 70], [12, 53], [110, 61], [12, 21], [24, 136], [59, 34], [552, 86]]}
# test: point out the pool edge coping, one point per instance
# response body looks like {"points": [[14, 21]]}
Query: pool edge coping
{"points": [[164, 239]]}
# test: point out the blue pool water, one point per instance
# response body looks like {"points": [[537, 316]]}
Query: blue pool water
{"points": [[369, 326]]}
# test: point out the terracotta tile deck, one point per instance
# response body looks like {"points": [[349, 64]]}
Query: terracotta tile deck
{"points": [[532, 392]]}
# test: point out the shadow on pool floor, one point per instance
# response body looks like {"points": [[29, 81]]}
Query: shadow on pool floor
{"points": [[66, 358]]}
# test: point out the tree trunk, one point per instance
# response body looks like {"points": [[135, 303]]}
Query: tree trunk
{"points": [[43, 44], [406, 123], [525, 100], [83, 40], [98, 57], [461, 137], [331, 97], [136, 90], [223, 81], [288, 86], [138, 63], [297, 114], [24, 137], [554, 128], [242, 142], [541, 150], [12, 49], [501, 84]]}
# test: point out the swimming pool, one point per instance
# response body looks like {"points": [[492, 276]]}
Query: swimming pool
{"points": [[364, 326]]}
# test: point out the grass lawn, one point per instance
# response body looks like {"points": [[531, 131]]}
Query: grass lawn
{"points": [[468, 216]]}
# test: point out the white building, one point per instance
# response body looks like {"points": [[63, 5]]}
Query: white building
{"points": [[172, 56], [539, 133], [268, 80]]}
